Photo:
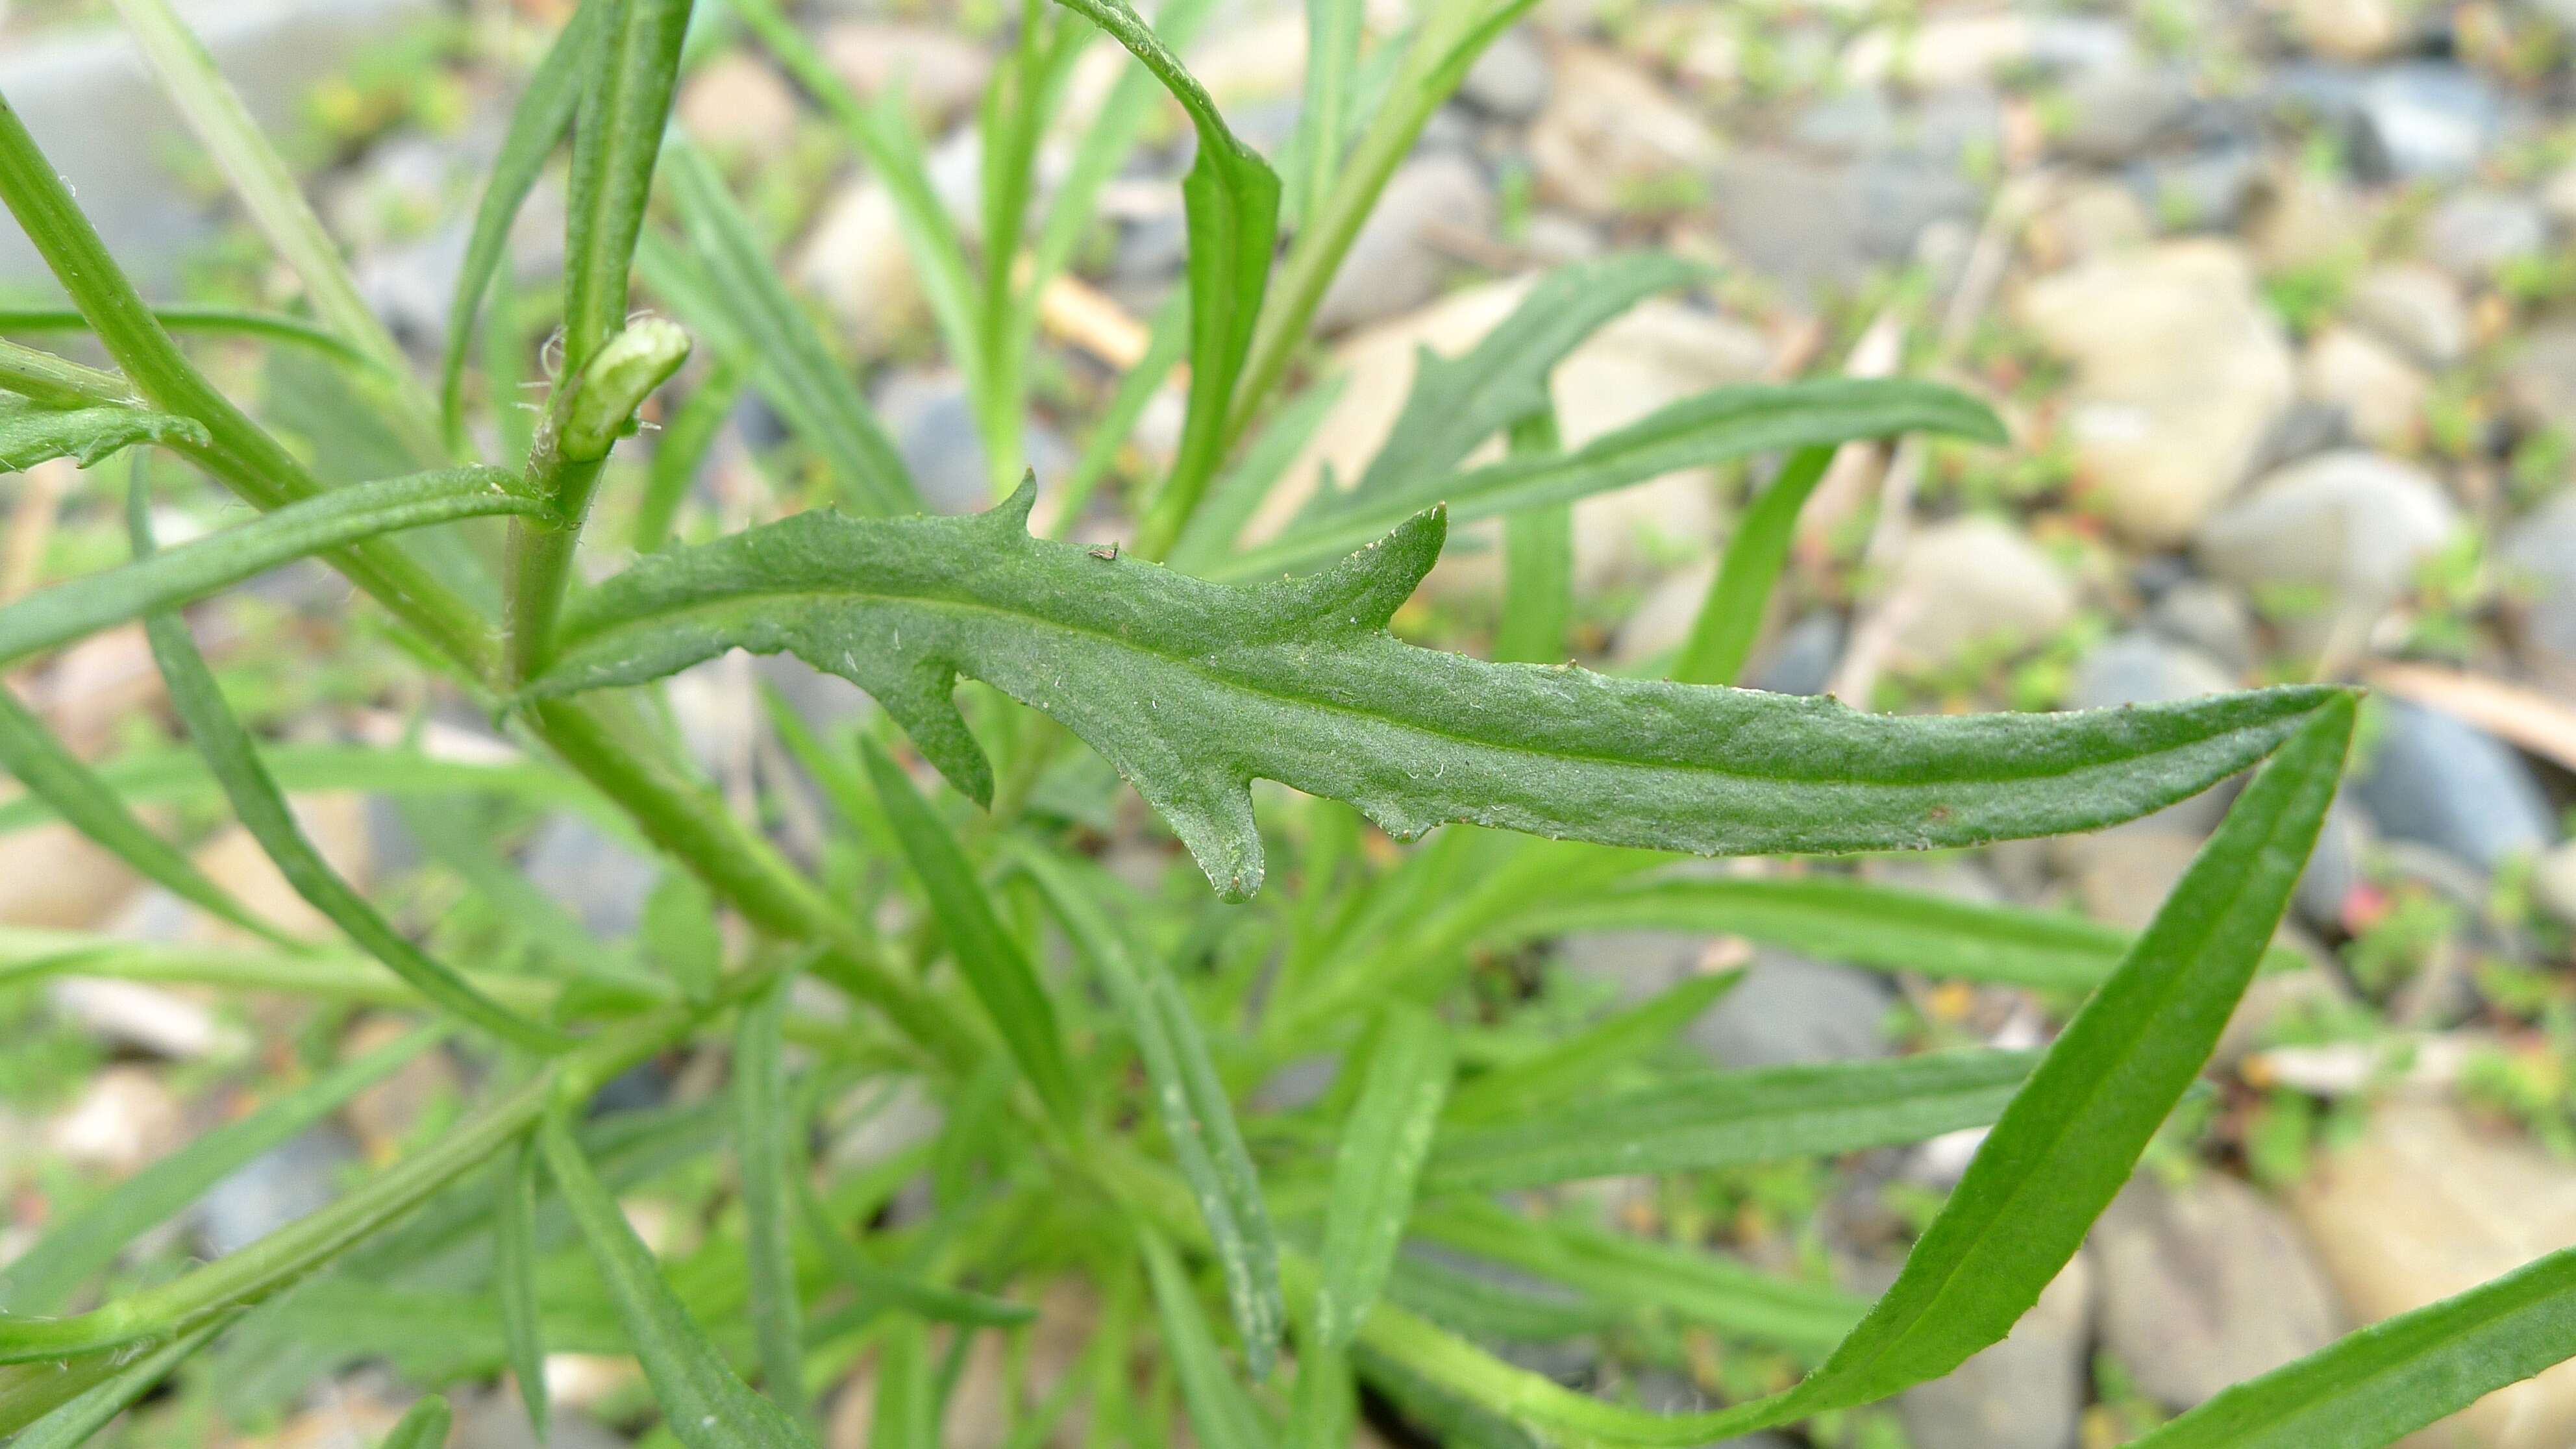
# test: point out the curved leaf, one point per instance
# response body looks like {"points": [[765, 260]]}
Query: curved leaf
{"points": [[1192, 689], [1729, 422], [631, 69], [1725, 1118], [30, 434], [2394, 1377], [183, 317], [1458, 402], [1231, 201], [168, 579], [423, 1426], [1731, 616], [543, 115], [1377, 1167]]}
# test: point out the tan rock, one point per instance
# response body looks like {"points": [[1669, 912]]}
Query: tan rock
{"points": [[854, 260], [2430, 1203], [941, 72], [2180, 371], [2348, 30], [1973, 582], [123, 1120], [383, 1116], [2382, 394], [51, 875], [336, 824], [736, 103], [1609, 130]]}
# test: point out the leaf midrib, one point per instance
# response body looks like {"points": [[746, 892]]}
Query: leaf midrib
{"points": [[575, 641]]}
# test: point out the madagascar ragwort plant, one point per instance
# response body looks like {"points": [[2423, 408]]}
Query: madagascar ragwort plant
{"points": [[1093, 1045]]}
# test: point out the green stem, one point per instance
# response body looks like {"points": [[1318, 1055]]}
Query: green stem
{"points": [[1449, 42], [57, 382]]}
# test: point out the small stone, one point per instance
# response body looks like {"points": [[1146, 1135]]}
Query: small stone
{"points": [[2180, 371], [2553, 883], [2351, 526], [738, 105], [599, 880], [2540, 379], [2205, 1286], [2474, 234], [52, 876], [2308, 221], [2122, 876], [1510, 80], [854, 260], [1801, 660], [2425, 120], [2539, 557], [2430, 1203], [1610, 132], [2429, 777], [2380, 392], [145, 1018], [2116, 115], [2558, 197], [2089, 220], [2210, 617], [2140, 668], [2414, 306], [1972, 582], [2336, 866], [1403, 252], [1949, 52], [499, 1420], [1819, 225], [2208, 189], [384, 1116], [2349, 30], [2026, 1392], [124, 1119], [942, 444], [281, 1185], [1789, 1011], [940, 71]]}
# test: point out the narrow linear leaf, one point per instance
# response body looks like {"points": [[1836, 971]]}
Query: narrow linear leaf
{"points": [[1191, 689], [1326, 1412], [704, 1404], [987, 955], [681, 451], [1721, 638], [1238, 492], [1841, 919], [58, 382], [1638, 1273], [262, 808], [1538, 562], [2071, 1137], [881, 129], [1189, 1101], [1723, 1119], [268, 191], [788, 361], [1459, 402], [2394, 1377], [44, 1277], [631, 68], [423, 1426], [544, 113], [906, 1412], [52, 773], [1324, 120], [2055, 1158], [514, 1272], [1107, 143], [181, 775], [880, 1288], [1582, 1061], [766, 1156], [76, 1421], [1379, 1162], [191, 571], [87, 435], [1488, 1304], [1713, 427], [186, 317], [1230, 199], [1219, 1410]]}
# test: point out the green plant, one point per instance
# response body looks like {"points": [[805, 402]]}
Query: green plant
{"points": [[1567, 797]]}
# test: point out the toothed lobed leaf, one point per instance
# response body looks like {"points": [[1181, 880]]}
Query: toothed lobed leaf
{"points": [[1192, 689], [30, 434]]}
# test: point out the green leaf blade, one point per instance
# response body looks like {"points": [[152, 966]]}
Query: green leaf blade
{"points": [[1721, 638], [765, 1155], [987, 955], [1723, 1119], [2394, 1377], [176, 576], [1378, 1167], [1300, 682], [1219, 1409], [514, 1272], [1713, 427], [423, 1426], [630, 70], [704, 1404], [30, 435]]}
